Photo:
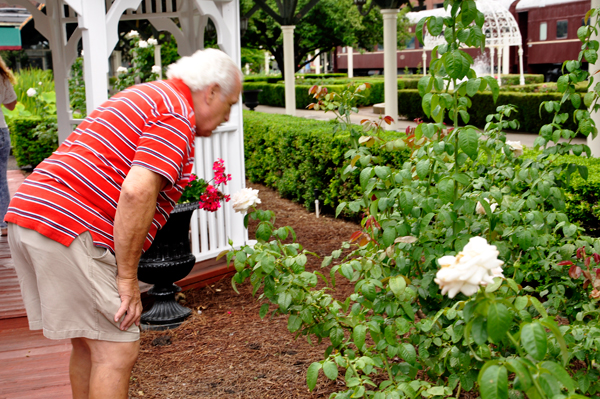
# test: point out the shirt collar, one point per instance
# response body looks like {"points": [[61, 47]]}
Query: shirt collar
{"points": [[183, 89]]}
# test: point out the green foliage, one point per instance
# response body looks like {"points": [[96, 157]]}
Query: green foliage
{"points": [[141, 53], [274, 94], [31, 78], [254, 58], [77, 89], [497, 331], [298, 156], [30, 148], [527, 104]]}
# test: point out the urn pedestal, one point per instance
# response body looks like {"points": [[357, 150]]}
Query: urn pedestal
{"points": [[251, 98], [169, 259]]}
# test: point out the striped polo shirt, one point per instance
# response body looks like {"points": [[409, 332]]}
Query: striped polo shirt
{"points": [[77, 188]]}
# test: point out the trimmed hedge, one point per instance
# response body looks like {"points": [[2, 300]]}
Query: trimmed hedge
{"points": [[549, 87], [278, 78], [28, 149], [528, 105], [297, 156], [274, 94]]}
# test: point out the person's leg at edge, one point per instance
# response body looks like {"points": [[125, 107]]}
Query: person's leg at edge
{"points": [[101, 369], [4, 194]]}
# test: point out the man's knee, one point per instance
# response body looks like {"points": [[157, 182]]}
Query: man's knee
{"points": [[119, 355]]}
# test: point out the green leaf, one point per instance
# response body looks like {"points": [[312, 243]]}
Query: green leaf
{"points": [[369, 291], [389, 235], [312, 374], [468, 141], [575, 100], [423, 168], [294, 323], [397, 285], [498, 321], [268, 264], [408, 353], [533, 339], [521, 371], [561, 375], [264, 231], [263, 310], [339, 208], [521, 302], [494, 383], [473, 86], [538, 306], [284, 301], [365, 176], [336, 335], [358, 335], [330, 369], [478, 330], [446, 189], [456, 64]]}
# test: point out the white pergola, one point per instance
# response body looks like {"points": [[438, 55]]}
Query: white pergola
{"points": [[500, 29], [97, 26]]}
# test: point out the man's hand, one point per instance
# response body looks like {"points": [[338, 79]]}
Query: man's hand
{"points": [[131, 303]]}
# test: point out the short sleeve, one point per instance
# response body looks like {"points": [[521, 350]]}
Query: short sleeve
{"points": [[165, 146], [8, 93]]}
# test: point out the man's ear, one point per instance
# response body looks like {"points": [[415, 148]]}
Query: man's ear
{"points": [[213, 91]]}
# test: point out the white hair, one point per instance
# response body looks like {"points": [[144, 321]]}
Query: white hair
{"points": [[206, 67]]}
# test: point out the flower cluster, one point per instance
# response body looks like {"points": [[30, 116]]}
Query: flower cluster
{"points": [[477, 264], [208, 196]]}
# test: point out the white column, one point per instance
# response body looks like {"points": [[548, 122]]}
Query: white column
{"points": [[325, 62], [288, 64], [267, 61], [522, 77], [492, 55], [317, 63], [158, 60], [506, 58], [424, 58], [594, 144], [350, 62], [499, 65], [390, 64], [95, 63]]}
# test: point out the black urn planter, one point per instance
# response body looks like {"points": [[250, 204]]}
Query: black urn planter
{"points": [[251, 98], [169, 259]]}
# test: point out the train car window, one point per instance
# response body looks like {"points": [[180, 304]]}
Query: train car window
{"points": [[543, 31], [410, 43], [562, 29]]}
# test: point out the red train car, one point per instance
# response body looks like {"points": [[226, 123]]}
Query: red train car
{"points": [[549, 37]]}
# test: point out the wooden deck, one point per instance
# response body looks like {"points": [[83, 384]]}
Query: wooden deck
{"points": [[31, 366]]}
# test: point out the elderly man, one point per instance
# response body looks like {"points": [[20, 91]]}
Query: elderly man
{"points": [[81, 220]]}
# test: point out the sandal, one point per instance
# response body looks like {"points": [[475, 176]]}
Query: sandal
{"points": [[4, 231]]}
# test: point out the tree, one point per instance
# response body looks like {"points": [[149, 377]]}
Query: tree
{"points": [[327, 25]]}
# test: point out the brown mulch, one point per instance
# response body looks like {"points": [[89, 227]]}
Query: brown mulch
{"points": [[225, 350]]}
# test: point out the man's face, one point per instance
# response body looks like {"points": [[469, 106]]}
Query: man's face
{"points": [[212, 108]]}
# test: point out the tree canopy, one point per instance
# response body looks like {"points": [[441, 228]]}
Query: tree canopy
{"points": [[327, 25]]}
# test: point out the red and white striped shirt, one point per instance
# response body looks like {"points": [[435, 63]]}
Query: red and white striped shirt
{"points": [[76, 189]]}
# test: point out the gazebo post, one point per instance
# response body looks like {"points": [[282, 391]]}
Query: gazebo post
{"points": [[594, 144], [424, 58], [350, 62], [288, 62], [492, 55], [522, 77], [499, 65], [390, 64]]}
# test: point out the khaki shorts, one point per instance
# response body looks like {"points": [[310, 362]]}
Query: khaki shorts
{"points": [[69, 292]]}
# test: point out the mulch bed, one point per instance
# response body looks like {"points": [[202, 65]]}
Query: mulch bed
{"points": [[225, 350]]}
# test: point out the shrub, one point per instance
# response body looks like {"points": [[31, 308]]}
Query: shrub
{"points": [[297, 156], [528, 106], [31, 78], [30, 148]]}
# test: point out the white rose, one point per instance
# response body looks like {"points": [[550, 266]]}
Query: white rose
{"points": [[477, 264], [155, 69], [362, 87], [31, 92], [244, 199], [480, 210], [142, 44], [132, 34], [152, 41], [516, 146], [40, 83], [121, 70]]}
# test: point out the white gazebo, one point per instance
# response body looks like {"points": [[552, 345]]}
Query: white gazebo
{"points": [[97, 23], [500, 28]]}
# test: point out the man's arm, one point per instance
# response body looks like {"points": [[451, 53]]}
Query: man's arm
{"points": [[135, 211], [11, 105]]}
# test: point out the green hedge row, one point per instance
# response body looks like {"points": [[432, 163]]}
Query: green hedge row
{"points": [[528, 104], [27, 148], [277, 78], [549, 87], [274, 94], [297, 156]]}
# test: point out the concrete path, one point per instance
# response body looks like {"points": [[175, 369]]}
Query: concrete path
{"points": [[526, 139]]}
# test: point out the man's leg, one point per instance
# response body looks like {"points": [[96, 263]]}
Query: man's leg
{"points": [[108, 370], [80, 368]]}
